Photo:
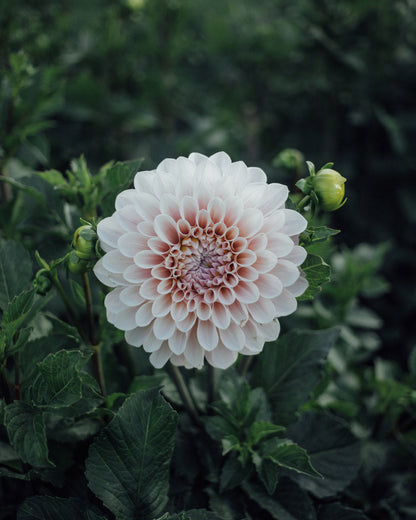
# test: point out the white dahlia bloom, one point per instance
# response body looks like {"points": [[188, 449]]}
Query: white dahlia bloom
{"points": [[203, 258]]}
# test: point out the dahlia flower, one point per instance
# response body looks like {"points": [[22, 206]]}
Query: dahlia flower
{"points": [[203, 258]]}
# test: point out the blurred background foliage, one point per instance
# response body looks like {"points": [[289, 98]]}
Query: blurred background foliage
{"points": [[123, 79]]}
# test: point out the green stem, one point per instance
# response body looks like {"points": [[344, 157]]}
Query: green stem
{"points": [[88, 302], [98, 367], [246, 365], [303, 202], [180, 384], [210, 384]]}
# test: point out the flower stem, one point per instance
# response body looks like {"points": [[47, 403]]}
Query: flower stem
{"points": [[180, 384], [98, 367], [88, 302], [303, 202], [210, 384]]}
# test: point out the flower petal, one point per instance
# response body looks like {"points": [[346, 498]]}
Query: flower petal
{"points": [[207, 334]]}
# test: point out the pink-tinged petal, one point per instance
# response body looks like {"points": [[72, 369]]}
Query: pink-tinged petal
{"points": [[147, 259], [221, 357], [164, 327], [207, 334], [273, 198], [238, 171], [165, 287], [130, 296], [189, 209], [269, 286], [299, 287], [113, 302], [148, 289], [165, 228], [115, 262], [136, 337], [287, 272], [107, 278], [294, 222], [146, 228], [247, 273], [135, 274], [216, 209], [177, 342], [109, 231], [262, 311], [297, 256], [279, 244], [131, 243], [163, 184], [143, 181], [183, 227], [233, 210], [161, 356], [233, 337], [187, 323], [169, 206], [128, 218], [125, 320], [238, 245], [179, 311], [271, 330], [194, 353], [144, 314], [285, 304], [252, 194], [239, 313], [222, 160], [259, 242], [265, 262], [220, 315], [125, 198], [274, 222], [254, 338], [162, 305], [203, 218], [161, 272], [246, 292], [147, 206], [246, 258], [203, 311], [256, 175], [226, 295], [151, 343], [157, 245], [179, 361]]}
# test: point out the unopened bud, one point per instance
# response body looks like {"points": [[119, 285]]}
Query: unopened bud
{"points": [[84, 242], [329, 188]]}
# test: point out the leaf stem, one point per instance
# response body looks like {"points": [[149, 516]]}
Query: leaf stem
{"points": [[210, 384], [180, 384], [88, 302], [303, 202]]}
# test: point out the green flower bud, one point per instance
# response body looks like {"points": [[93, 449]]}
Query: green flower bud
{"points": [[78, 265], [328, 186], [42, 282], [84, 242]]}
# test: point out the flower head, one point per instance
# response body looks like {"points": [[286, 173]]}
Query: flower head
{"points": [[203, 258]]}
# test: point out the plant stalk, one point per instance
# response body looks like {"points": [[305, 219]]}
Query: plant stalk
{"points": [[180, 384]]}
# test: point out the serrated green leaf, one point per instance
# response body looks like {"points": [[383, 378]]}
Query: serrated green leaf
{"points": [[340, 512], [263, 430], [317, 272], [26, 429], [289, 369], [193, 514], [289, 502], [50, 508], [330, 446], [128, 463], [59, 381], [15, 271], [233, 473], [268, 472], [287, 454]]}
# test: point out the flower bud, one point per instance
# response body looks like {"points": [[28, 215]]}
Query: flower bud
{"points": [[84, 242], [329, 188], [78, 265], [42, 282]]}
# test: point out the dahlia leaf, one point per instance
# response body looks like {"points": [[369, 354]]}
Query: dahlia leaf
{"points": [[268, 472], [128, 463], [194, 514], [26, 429], [287, 454], [288, 502], [54, 508], [340, 512], [331, 446], [15, 271], [317, 272], [289, 369]]}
